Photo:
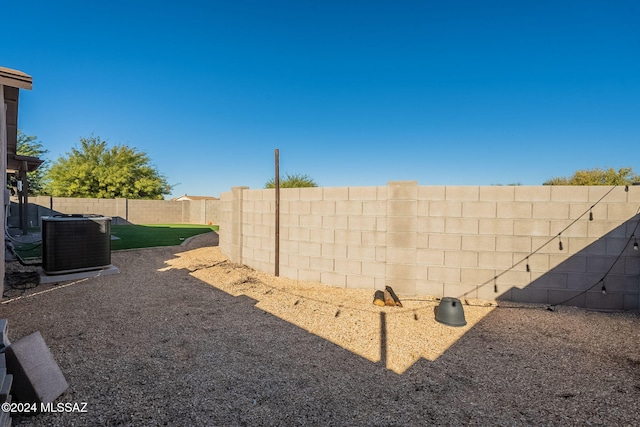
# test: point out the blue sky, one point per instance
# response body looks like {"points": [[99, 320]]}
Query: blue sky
{"points": [[353, 93]]}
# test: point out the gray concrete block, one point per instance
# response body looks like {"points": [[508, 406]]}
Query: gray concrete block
{"points": [[36, 375], [5, 420], [3, 377], [5, 391], [5, 388], [4, 334]]}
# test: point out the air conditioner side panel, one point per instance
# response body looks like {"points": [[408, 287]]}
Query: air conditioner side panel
{"points": [[75, 244]]}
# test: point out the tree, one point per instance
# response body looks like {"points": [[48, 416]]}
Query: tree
{"points": [[94, 170], [597, 176], [292, 181], [28, 145]]}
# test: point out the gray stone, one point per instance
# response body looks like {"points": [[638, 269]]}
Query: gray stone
{"points": [[4, 334], [36, 375], [5, 389]]}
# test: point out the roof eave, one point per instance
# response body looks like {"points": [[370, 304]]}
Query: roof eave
{"points": [[15, 78]]}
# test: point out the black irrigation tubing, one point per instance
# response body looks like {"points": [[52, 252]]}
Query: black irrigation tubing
{"points": [[301, 299], [494, 278], [416, 311], [25, 248]]}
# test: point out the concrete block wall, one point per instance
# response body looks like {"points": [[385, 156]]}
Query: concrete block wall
{"points": [[123, 211], [155, 212], [40, 206], [232, 234], [467, 241], [330, 235], [201, 211]]}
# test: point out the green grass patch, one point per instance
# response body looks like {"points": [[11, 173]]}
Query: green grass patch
{"points": [[133, 237], [147, 236]]}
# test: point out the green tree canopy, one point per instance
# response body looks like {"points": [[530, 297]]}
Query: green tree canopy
{"points": [[28, 145], [95, 170], [292, 181], [597, 176]]}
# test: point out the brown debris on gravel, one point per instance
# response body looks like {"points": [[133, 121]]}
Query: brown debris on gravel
{"points": [[183, 337]]}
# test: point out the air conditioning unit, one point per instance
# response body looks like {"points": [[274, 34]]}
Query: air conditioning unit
{"points": [[74, 243]]}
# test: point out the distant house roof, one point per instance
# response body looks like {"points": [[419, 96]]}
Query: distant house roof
{"points": [[187, 197]]}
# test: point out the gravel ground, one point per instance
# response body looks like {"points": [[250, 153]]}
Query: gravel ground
{"points": [[183, 337]]}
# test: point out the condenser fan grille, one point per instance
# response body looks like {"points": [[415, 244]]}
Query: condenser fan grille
{"points": [[73, 243]]}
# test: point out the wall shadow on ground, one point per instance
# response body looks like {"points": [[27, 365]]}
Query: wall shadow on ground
{"points": [[156, 345]]}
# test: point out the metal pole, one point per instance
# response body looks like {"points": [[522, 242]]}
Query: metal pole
{"points": [[277, 186]]}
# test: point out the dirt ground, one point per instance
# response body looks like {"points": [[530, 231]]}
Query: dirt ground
{"points": [[183, 337]]}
